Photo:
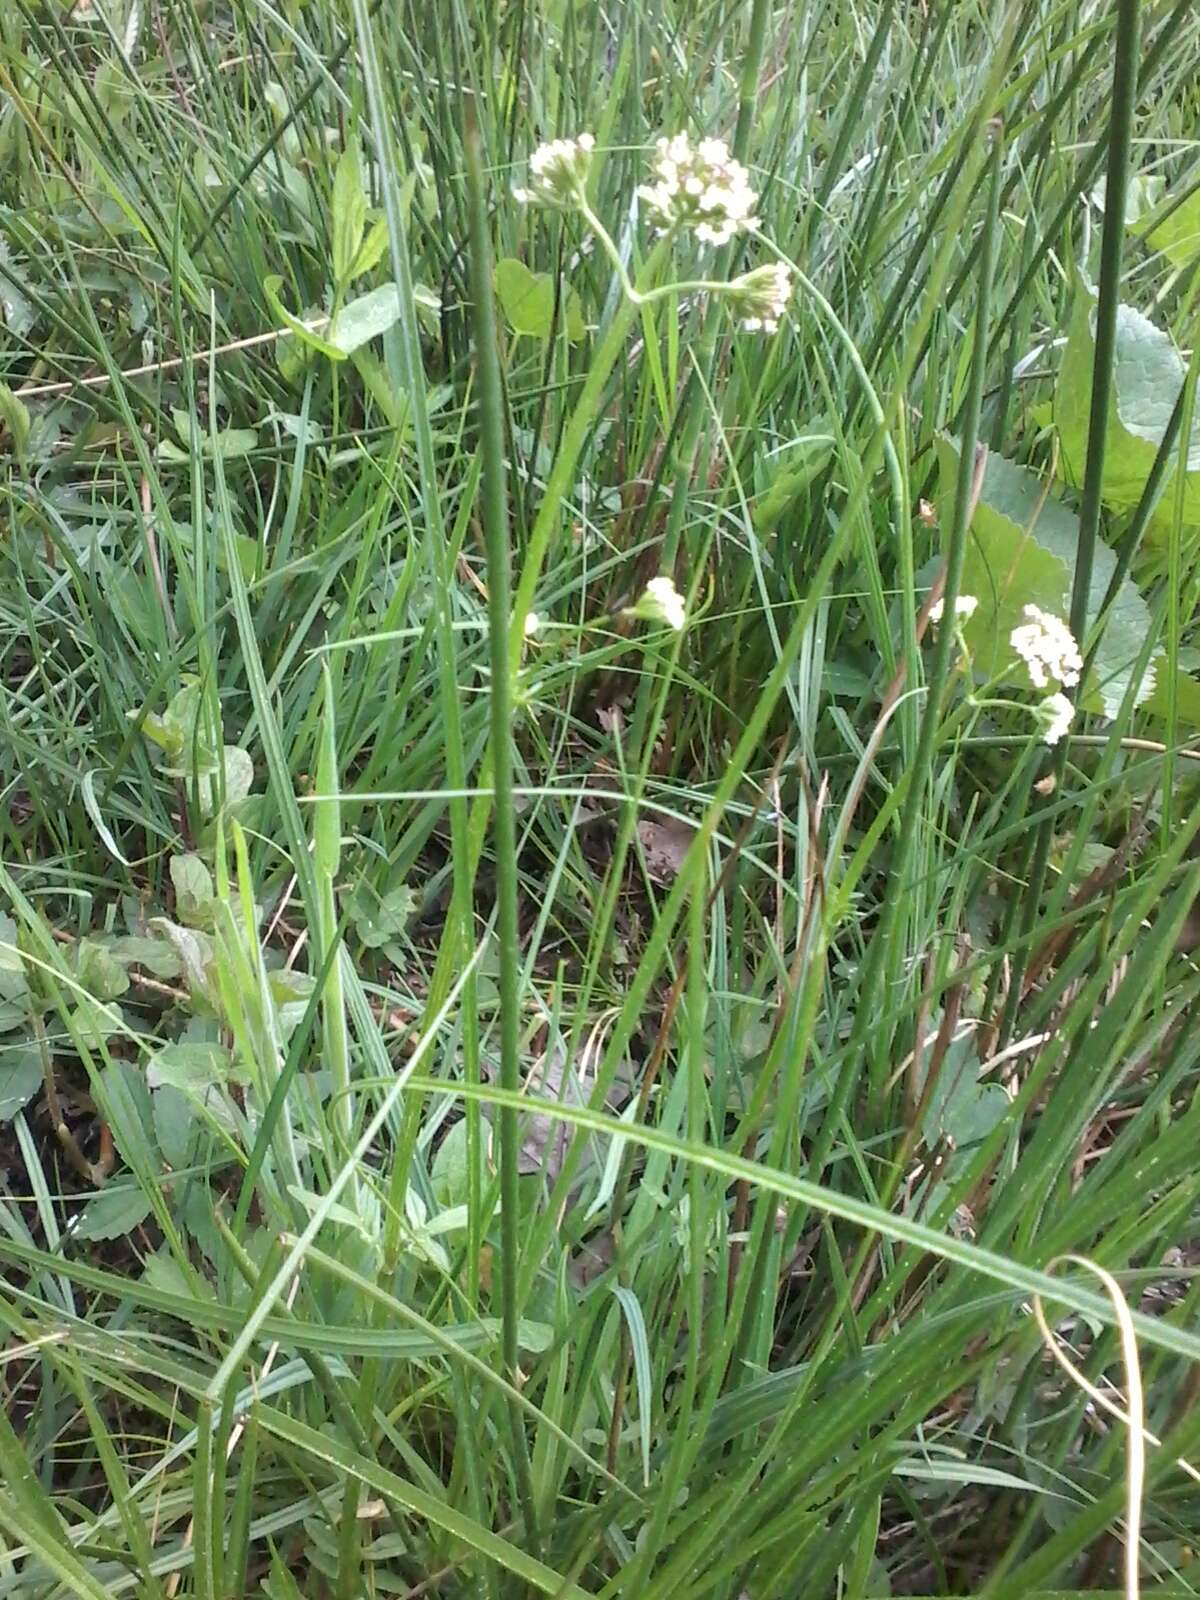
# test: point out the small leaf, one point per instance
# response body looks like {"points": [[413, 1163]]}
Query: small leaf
{"points": [[372, 250], [365, 319], [114, 1212], [527, 300], [20, 1079], [14, 415], [349, 214], [193, 886], [174, 1125], [14, 986], [189, 1065], [93, 1021], [306, 336], [126, 1103], [99, 971], [1177, 233], [376, 918], [239, 774], [450, 1172], [194, 952], [87, 788]]}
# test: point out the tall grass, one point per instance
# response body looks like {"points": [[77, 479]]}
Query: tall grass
{"points": [[499, 1094]]}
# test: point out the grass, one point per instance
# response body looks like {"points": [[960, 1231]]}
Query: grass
{"points": [[588, 1107]]}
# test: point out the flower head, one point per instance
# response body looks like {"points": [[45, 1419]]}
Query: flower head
{"points": [[557, 173], [531, 627], [700, 187], [762, 296], [1048, 649], [965, 606], [660, 601], [1055, 713]]}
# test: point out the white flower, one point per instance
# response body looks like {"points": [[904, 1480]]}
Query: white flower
{"points": [[532, 624], [700, 187], [661, 602], [1048, 649], [762, 296], [557, 173], [1055, 713], [965, 606]]}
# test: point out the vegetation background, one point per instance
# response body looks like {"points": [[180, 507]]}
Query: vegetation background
{"points": [[594, 1111]]}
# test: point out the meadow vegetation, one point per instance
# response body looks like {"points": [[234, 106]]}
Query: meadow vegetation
{"points": [[600, 691]]}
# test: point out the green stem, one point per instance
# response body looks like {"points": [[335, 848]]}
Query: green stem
{"points": [[499, 582]]}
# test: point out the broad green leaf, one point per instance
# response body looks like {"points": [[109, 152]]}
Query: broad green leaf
{"points": [[194, 892], [365, 319], [1177, 232], [1148, 376], [349, 213], [450, 1172], [1021, 551], [371, 251], [174, 1125], [194, 952], [137, 950], [20, 1078], [99, 971], [189, 1065], [239, 773], [114, 1212], [131, 1115], [527, 300], [14, 986], [92, 1021]]}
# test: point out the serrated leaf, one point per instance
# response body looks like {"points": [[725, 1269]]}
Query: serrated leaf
{"points": [[113, 1213], [1021, 551], [527, 300], [20, 1079], [365, 319], [1148, 375], [349, 213]]}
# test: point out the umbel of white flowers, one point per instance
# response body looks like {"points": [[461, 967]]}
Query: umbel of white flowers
{"points": [[660, 601], [1047, 647], [1055, 713], [700, 187]]}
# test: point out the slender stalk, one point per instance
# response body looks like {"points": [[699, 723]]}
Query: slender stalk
{"points": [[504, 832], [1120, 138]]}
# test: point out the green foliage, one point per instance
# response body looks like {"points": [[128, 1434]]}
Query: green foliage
{"points": [[839, 1009]]}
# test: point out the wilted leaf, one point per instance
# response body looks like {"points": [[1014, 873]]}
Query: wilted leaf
{"points": [[20, 1079], [115, 1211], [1021, 551], [527, 300], [1148, 377], [665, 841]]}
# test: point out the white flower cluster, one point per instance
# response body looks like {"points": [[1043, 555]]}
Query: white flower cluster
{"points": [[557, 173], [1055, 713], [660, 601], [762, 296], [700, 187], [1047, 647], [965, 606]]}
